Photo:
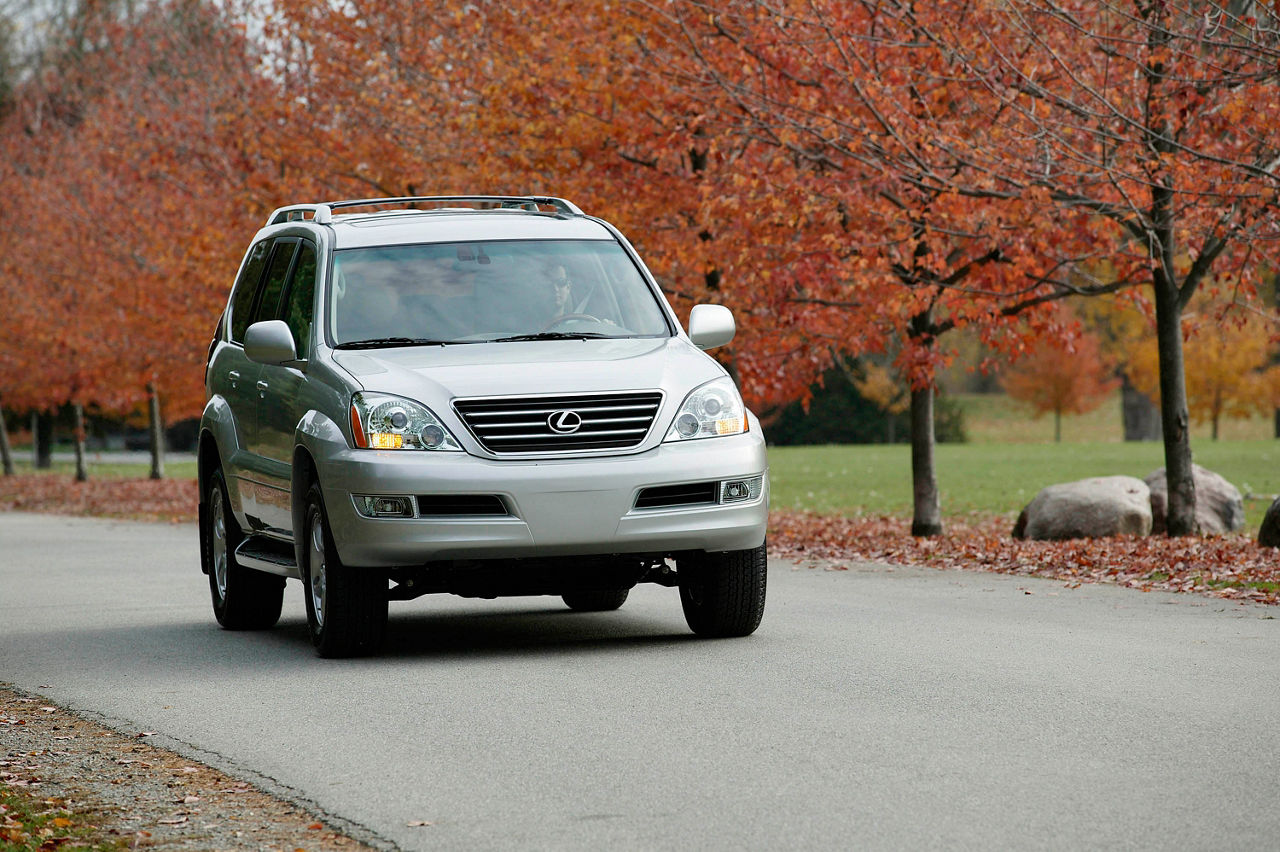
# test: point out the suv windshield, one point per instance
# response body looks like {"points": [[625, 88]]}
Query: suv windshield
{"points": [[489, 291]]}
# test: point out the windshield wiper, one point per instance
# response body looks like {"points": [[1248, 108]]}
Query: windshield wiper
{"points": [[556, 335], [387, 342]]}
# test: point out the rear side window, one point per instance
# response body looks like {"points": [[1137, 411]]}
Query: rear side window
{"points": [[246, 288], [273, 287], [301, 299]]}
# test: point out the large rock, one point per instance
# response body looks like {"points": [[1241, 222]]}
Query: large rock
{"points": [[1090, 508], [1219, 506], [1269, 532]]}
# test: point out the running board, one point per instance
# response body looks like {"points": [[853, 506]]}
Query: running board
{"points": [[268, 555]]}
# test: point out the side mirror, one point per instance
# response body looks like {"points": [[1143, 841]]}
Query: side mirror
{"points": [[710, 326], [271, 342]]}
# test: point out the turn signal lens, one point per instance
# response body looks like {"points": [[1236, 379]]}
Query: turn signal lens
{"points": [[357, 429], [386, 441]]}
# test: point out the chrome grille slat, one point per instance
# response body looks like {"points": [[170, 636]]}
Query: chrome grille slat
{"points": [[510, 426], [545, 437], [525, 412], [526, 424]]}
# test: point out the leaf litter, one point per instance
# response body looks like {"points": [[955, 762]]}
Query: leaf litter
{"points": [[127, 792], [1233, 567]]}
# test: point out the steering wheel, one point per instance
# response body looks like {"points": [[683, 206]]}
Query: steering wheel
{"points": [[567, 318]]}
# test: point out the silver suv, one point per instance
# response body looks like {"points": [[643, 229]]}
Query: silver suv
{"points": [[484, 396]]}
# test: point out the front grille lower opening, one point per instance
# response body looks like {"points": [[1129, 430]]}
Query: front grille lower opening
{"points": [[460, 504], [686, 494]]}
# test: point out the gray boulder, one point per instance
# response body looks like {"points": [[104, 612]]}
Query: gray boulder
{"points": [[1090, 508], [1219, 506], [1269, 532]]}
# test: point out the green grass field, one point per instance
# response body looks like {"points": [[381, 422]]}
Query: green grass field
{"points": [[107, 470], [876, 479], [1010, 457], [997, 419]]}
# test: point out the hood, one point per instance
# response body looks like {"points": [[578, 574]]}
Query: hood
{"points": [[436, 375]]}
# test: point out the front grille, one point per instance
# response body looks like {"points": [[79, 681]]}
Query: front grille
{"points": [[688, 494], [460, 504], [524, 424]]}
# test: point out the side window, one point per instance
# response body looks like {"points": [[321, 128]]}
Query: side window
{"points": [[277, 274], [301, 300], [246, 288]]}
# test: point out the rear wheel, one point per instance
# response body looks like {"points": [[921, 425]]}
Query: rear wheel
{"points": [[346, 607], [723, 593], [243, 599], [596, 601]]}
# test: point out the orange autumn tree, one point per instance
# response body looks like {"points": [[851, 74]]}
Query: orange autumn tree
{"points": [[1230, 370], [857, 229], [551, 97], [1062, 376], [1145, 114], [138, 197]]}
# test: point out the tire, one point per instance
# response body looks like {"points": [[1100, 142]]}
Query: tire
{"points": [[596, 601], [346, 607], [723, 593], [243, 599]]}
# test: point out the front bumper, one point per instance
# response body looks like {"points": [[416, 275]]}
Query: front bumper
{"points": [[571, 506]]}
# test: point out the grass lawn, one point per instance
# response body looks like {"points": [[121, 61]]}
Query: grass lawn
{"points": [[998, 419], [988, 477], [106, 470]]}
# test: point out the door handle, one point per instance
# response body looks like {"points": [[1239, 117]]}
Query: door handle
{"points": [[234, 375], [262, 385]]}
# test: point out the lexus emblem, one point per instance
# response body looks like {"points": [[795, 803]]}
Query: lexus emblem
{"points": [[565, 422]]}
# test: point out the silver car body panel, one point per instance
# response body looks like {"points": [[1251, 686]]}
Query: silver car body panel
{"points": [[574, 503]]}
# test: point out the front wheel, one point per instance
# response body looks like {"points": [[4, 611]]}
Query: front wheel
{"points": [[723, 593], [346, 607], [243, 599]]}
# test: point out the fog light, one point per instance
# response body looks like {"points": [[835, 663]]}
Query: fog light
{"points": [[385, 507], [737, 490]]}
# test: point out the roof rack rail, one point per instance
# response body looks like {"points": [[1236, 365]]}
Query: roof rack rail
{"points": [[322, 214], [510, 201]]}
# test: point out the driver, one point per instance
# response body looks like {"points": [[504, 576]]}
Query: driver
{"points": [[562, 291]]}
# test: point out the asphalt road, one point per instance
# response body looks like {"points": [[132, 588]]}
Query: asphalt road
{"points": [[874, 709]]}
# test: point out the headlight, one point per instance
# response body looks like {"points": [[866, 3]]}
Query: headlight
{"points": [[711, 410], [380, 421]]}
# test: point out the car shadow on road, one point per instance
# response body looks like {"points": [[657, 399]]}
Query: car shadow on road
{"points": [[160, 649], [540, 631]]}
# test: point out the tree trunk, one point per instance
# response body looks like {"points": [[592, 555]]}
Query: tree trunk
{"points": [[1140, 415], [157, 433], [928, 517], [82, 473], [6, 453], [42, 439], [1181, 512], [1057, 427]]}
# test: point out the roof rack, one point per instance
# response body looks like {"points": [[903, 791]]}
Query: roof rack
{"points": [[322, 214]]}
